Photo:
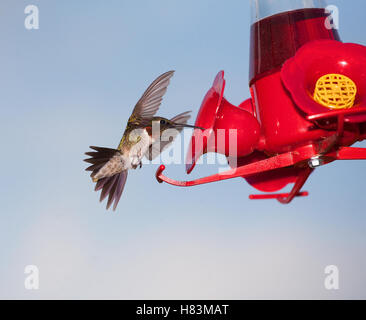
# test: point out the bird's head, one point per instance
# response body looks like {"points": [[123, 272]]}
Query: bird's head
{"points": [[164, 124]]}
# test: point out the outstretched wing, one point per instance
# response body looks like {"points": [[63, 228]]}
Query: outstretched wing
{"points": [[150, 101], [158, 147]]}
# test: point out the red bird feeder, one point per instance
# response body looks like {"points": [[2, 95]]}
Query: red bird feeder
{"points": [[308, 103]]}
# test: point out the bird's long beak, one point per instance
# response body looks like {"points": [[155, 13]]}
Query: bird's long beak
{"points": [[179, 125]]}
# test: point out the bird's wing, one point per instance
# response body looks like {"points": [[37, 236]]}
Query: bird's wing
{"points": [[112, 187], [150, 101], [158, 147]]}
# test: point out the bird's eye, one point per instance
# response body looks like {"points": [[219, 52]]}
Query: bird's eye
{"points": [[162, 121]]}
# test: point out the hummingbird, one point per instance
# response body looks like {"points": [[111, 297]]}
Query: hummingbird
{"points": [[109, 167]]}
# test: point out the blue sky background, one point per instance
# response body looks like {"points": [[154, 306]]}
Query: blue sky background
{"points": [[73, 83]]}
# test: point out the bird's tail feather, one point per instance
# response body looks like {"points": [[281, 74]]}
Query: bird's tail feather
{"points": [[98, 158], [111, 186]]}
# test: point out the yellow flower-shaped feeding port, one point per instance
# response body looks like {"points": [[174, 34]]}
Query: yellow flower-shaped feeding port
{"points": [[335, 91]]}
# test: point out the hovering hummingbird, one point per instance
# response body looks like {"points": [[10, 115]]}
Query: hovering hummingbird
{"points": [[110, 166]]}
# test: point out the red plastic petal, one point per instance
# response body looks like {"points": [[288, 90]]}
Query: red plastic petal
{"points": [[317, 58]]}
